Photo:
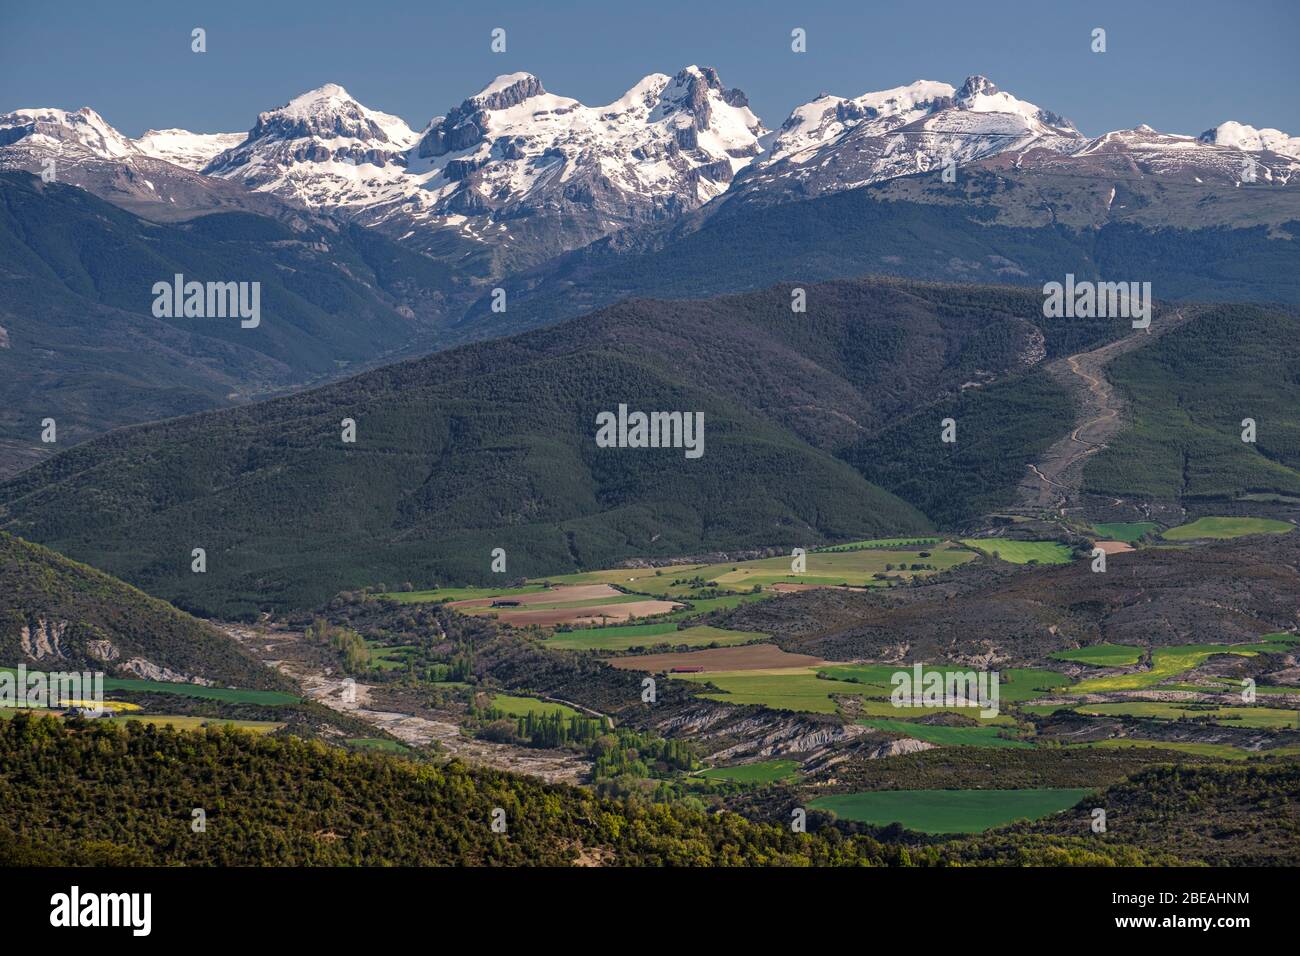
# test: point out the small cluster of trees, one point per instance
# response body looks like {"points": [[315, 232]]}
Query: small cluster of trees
{"points": [[347, 643]]}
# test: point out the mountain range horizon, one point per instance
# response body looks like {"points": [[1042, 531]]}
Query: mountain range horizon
{"points": [[1243, 131]]}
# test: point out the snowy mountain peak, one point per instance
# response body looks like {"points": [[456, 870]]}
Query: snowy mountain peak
{"points": [[321, 149], [978, 94], [506, 91], [510, 158], [824, 119], [833, 143], [1240, 136], [323, 95], [329, 112], [976, 86], [669, 144], [183, 148], [82, 130]]}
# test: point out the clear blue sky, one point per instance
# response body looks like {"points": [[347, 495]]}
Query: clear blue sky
{"points": [[1179, 66]]}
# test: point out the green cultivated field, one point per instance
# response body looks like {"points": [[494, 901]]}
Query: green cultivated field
{"points": [[378, 743], [1021, 552], [599, 638], [617, 630], [1255, 718], [854, 568], [456, 594], [198, 723], [800, 689], [886, 709], [521, 706], [948, 811], [1226, 528], [709, 605], [851, 564], [1217, 751], [945, 736], [1102, 655], [1166, 663], [766, 771], [1017, 683], [1128, 531], [389, 657], [229, 695]]}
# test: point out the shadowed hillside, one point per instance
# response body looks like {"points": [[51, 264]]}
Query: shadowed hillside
{"points": [[56, 614], [493, 445]]}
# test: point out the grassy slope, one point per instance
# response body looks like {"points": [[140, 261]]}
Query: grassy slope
{"points": [[1226, 528]]}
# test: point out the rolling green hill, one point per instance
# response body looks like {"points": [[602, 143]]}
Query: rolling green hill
{"points": [[1187, 394], [493, 445], [52, 609]]}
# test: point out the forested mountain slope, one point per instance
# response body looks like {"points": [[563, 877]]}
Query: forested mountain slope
{"points": [[493, 445], [1188, 396], [288, 802], [994, 228], [80, 342]]}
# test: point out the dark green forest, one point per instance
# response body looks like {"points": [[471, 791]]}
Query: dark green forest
{"points": [[492, 445], [84, 348], [860, 231], [1188, 393], [84, 793]]}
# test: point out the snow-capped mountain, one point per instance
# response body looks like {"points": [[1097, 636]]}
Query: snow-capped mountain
{"points": [[667, 145], [514, 174], [156, 174], [513, 166], [832, 144], [322, 150], [80, 134], [1248, 138], [183, 148], [1225, 155]]}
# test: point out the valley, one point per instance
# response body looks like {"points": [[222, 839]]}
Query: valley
{"points": [[638, 470]]}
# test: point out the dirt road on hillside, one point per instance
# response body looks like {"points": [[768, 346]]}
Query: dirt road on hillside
{"points": [[1053, 482]]}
